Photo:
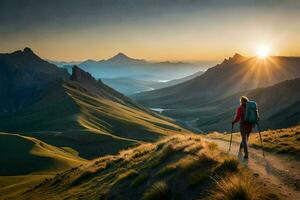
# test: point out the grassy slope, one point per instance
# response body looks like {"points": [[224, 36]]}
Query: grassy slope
{"points": [[284, 141], [53, 119], [33, 155], [177, 167], [121, 122], [16, 185], [26, 161], [70, 116]]}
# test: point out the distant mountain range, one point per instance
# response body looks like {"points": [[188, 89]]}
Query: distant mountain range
{"points": [[44, 102], [129, 75], [193, 101], [121, 65]]}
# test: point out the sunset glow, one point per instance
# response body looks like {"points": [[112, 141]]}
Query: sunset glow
{"points": [[173, 30], [263, 51]]}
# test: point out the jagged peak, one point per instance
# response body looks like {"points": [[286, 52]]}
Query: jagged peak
{"points": [[237, 56], [26, 51]]}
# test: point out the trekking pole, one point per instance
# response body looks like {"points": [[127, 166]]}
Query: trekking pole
{"points": [[230, 138], [261, 142]]}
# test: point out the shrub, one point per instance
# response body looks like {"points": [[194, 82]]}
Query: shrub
{"points": [[235, 188], [158, 191]]}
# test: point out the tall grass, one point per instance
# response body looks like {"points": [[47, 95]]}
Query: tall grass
{"points": [[235, 188]]}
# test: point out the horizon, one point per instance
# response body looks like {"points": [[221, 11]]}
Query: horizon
{"points": [[156, 31], [212, 62]]}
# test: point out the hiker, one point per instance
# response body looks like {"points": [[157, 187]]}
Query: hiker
{"points": [[245, 125]]}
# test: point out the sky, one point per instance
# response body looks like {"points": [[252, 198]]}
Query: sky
{"points": [[186, 30]]}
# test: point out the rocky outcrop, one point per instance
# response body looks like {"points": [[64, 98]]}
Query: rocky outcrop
{"points": [[81, 76]]}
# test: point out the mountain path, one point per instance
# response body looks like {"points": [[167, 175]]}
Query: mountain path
{"points": [[281, 173]]}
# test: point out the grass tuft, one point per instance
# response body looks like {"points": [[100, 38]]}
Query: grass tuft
{"points": [[235, 188], [158, 191], [164, 153], [228, 165], [212, 146]]}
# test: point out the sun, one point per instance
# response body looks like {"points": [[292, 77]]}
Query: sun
{"points": [[263, 51]]}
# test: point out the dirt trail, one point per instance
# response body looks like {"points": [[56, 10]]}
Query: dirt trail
{"points": [[280, 173]]}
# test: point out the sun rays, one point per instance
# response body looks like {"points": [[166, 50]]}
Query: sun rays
{"points": [[263, 51]]}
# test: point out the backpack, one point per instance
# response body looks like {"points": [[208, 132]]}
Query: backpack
{"points": [[251, 114]]}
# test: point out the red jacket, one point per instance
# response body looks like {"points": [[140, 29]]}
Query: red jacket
{"points": [[239, 117]]}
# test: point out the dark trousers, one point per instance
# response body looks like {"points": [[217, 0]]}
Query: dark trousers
{"points": [[245, 132]]}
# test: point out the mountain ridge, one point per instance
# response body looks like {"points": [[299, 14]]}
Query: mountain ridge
{"points": [[26, 76], [122, 65], [231, 76]]}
